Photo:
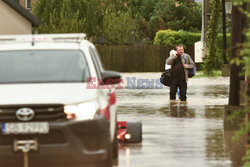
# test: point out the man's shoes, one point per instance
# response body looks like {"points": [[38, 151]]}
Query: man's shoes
{"points": [[173, 101], [183, 102]]}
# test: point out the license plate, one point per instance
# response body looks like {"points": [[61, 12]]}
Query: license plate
{"points": [[25, 128]]}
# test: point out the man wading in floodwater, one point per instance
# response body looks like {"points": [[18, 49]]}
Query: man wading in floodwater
{"points": [[180, 63]]}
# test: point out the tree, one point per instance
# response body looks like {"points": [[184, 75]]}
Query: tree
{"points": [[212, 36], [154, 15], [119, 28], [240, 53], [238, 37], [145, 17], [69, 16]]}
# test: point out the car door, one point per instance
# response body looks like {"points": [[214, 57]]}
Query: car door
{"points": [[109, 92]]}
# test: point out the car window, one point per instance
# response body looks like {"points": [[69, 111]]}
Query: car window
{"points": [[98, 59], [31, 66], [97, 65]]}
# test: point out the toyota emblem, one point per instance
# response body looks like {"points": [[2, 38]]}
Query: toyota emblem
{"points": [[25, 114]]}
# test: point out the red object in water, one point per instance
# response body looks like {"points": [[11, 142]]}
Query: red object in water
{"points": [[122, 130]]}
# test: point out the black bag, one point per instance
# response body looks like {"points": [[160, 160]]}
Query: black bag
{"points": [[192, 71], [166, 77]]}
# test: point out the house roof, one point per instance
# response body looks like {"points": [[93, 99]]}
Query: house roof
{"points": [[25, 13]]}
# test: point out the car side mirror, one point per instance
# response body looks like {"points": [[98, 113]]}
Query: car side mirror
{"points": [[111, 77]]}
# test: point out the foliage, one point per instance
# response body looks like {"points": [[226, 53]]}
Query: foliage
{"points": [[245, 127], [169, 37], [173, 38], [188, 38], [143, 18], [246, 57], [212, 36], [155, 15], [109, 19], [119, 28], [69, 16]]}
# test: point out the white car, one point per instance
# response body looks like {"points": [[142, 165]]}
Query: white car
{"points": [[51, 105]]}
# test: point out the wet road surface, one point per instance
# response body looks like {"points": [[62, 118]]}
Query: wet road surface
{"points": [[175, 134]]}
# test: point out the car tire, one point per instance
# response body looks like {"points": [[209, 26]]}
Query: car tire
{"points": [[135, 130]]}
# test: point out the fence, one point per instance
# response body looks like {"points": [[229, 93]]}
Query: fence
{"points": [[136, 58]]}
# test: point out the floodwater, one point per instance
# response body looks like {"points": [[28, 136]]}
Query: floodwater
{"points": [[178, 135]]}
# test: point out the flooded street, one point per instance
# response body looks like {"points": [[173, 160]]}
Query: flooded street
{"points": [[176, 135]]}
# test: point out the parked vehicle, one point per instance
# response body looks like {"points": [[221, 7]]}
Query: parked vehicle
{"points": [[53, 108]]}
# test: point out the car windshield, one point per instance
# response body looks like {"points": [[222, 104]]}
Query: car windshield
{"points": [[36, 66]]}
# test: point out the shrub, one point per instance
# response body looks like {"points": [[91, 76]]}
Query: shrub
{"points": [[173, 38]]}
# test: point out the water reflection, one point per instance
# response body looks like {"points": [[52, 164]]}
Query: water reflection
{"points": [[127, 150], [236, 150], [178, 110], [215, 143], [214, 112]]}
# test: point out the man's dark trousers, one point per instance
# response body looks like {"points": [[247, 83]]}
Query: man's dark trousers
{"points": [[182, 84]]}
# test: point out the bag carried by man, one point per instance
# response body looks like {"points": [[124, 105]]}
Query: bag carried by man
{"points": [[166, 77], [191, 71]]}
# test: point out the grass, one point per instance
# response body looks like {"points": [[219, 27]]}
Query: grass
{"points": [[200, 74]]}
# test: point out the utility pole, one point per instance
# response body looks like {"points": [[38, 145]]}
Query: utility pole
{"points": [[205, 18], [237, 38], [224, 31], [204, 29]]}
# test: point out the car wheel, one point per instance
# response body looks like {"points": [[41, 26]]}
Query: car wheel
{"points": [[135, 130]]}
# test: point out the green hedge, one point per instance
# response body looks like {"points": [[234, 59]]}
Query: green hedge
{"points": [[173, 38]]}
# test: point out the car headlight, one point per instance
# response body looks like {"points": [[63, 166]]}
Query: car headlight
{"points": [[82, 111]]}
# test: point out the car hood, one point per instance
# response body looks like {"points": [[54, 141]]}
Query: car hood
{"points": [[56, 93]]}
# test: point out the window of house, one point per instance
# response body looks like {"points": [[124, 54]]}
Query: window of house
{"points": [[28, 4]]}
